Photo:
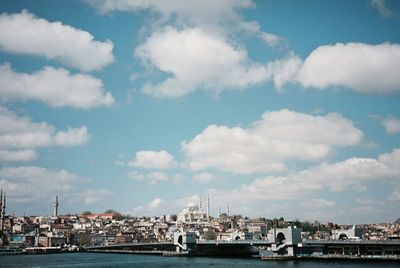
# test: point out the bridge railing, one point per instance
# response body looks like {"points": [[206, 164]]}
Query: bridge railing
{"points": [[131, 244], [353, 242], [233, 242]]}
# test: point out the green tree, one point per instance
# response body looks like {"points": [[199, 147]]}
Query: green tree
{"points": [[224, 216], [210, 234], [118, 216], [86, 212]]}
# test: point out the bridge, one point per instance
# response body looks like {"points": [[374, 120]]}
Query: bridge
{"points": [[283, 243], [185, 243], [351, 247], [198, 248], [139, 248]]}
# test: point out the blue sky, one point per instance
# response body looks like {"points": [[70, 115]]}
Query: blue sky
{"points": [[277, 108]]}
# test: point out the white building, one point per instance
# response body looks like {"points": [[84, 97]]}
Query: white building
{"points": [[344, 234], [191, 214]]}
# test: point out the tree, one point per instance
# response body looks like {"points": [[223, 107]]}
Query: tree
{"points": [[118, 216], [110, 211], [86, 212], [237, 217], [275, 222], [210, 234], [223, 215]]}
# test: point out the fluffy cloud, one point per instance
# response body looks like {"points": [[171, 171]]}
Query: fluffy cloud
{"points": [[92, 196], [159, 206], [223, 18], [289, 193], [55, 86], [188, 56], [381, 7], [154, 177], [155, 203], [23, 33], [266, 144], [204, 177], [26, 183], [19, 135], [17, 155], [395, 195], [151, 177], [196, 13], [153, 160], [363, 68], [273, 40], [392, 125], [319, 203], [194, 59], [285, 70], [204, 53], [21, 132], [346, 175]]}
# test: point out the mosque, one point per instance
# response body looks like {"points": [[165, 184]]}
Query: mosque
{"points": [[194, 213]]}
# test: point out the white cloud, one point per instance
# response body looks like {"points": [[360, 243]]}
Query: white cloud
{"points": [[284, 70], [395, 195], [17, 155], [24, 184], [24, 33], [208, 14], [154, 160], [21, 132], [319, 203], [346, 175], [92, 196], [287, 194], [152, 177], [204, 177], [266, 144], [204, 53], [72, 136], [362, 67], [155, 203], [29, 184], [159, 206], [195, 60], [56, 87], [19, 135], [381, 7], [273, 40], [392, 125]]}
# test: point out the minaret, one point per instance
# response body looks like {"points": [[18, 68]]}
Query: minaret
{"points": [[208, 207], [1, 211], [55, 208], [227, 210], [200, 205]]}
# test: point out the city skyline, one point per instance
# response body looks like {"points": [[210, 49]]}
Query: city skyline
{"points": [[277, 108]]}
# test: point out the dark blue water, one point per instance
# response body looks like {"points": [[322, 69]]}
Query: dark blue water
{"points": [[144, 261]]}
